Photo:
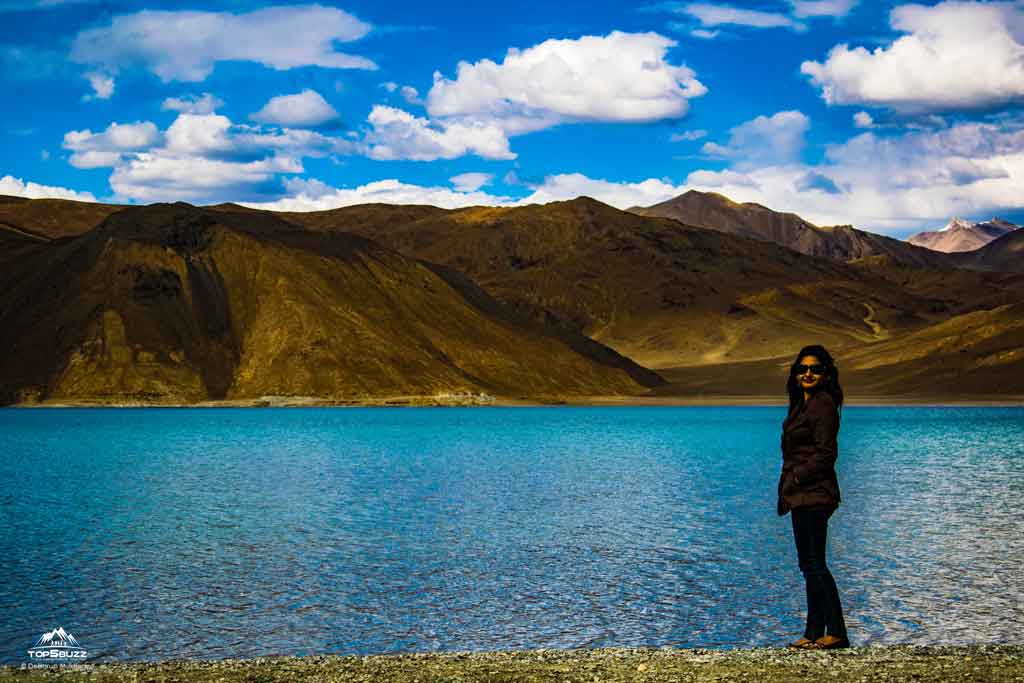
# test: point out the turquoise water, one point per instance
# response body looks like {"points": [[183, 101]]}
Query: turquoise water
{"points": [[211, 533]]}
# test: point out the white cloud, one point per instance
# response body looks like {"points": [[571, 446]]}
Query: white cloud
{"points": [[102, 86], [822, 8], [880, 183], [207, 157], [408, 93], [619, 77], [618, 194], [709, 14], [206, 103], [892, 183], [303, 143], [95, 150], [781, 188], [397, 134], [862, 119], [766, 139], [154, 177], [215, 136], [186, 45], [470, 182], [200, 157], [93, 158], [305, 109], [688, 135], [313, 195], [16, 187], [955, 55], [411, 95], [720, 179], [704, 34], [957, 156], [200, 134]]}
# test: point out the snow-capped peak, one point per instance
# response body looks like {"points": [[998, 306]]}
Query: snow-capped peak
{"points": [[958, 224]]}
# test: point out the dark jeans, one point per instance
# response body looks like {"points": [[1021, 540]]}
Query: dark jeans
{"points": [[810, 529]]}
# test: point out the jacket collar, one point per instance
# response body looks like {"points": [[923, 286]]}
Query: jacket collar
{"points": [[801, 413]]}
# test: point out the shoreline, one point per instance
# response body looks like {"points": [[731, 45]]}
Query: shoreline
{"points": [[775, 401], [485, 400], [892, 663]]}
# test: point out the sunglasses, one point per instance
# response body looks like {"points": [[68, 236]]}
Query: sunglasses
{"points": [[816, 369]]}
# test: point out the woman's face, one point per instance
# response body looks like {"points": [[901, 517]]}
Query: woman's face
{"points": [[810, 373]]}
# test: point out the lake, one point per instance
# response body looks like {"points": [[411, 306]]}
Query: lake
{"points": [[211, 533]]}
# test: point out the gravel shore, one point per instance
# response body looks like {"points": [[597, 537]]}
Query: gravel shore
{"points": [[888, 664]]}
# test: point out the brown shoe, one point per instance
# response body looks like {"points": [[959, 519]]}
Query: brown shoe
{"points": [[804, 644], [831, 643]]}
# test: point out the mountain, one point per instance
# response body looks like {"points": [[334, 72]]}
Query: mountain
{"points": [[717, 212], [972, 356], [51, 218], [1005, 253], [845, 243], [178, 304], [979, 354], [960, 235], [361, 217], [669, 295]]}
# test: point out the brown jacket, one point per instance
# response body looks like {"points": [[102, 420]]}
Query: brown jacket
{"points": [[809, 452]]}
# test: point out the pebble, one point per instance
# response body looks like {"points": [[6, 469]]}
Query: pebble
{"points": [[882, 664]]}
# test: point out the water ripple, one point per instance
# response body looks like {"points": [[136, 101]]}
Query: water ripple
{"points": [[228, 533]]}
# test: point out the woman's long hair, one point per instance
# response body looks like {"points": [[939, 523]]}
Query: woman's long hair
{"points": [[830, 383]]}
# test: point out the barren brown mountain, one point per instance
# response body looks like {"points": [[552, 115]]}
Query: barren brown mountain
{"points": [[1005, 254], [51, 218], [24, 222], [678, 298], [960, 235], [972, 356], [846, 243], [171, 303], [178, 304]]}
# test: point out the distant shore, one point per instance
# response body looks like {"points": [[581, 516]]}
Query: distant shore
{"points": [[485, 400], [782, 401], [888, 664]]}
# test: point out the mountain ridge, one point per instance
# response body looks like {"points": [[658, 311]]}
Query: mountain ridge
{"points": [[176, 304], [843, 242], [664, 293], [960, 235], [609, 299]]}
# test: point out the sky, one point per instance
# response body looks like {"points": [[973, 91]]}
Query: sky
{"points": [[888, 116]]}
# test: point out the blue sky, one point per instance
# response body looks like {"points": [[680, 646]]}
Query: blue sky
{"points": [[891, 116]]}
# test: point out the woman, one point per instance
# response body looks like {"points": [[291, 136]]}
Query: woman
{"points": [[808, 488]]}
